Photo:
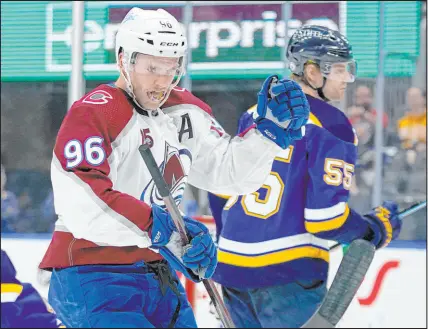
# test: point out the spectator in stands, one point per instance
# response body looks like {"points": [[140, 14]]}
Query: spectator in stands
{"points": [[363, 118], [362, 115], [412, 126], [9, 206], [363, 125], [363, 98], [412, 160], [411, 129]]}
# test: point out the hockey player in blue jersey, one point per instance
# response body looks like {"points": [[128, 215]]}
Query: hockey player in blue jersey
{"points": [[273, 257], [21, 304]]}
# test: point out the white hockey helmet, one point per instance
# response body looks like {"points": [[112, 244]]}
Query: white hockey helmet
{"points": [[150, 32]]}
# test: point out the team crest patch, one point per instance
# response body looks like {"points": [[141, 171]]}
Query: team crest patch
{"points": [[172, 169], [98, 97]]}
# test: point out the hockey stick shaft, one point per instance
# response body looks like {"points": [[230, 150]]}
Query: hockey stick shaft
{"points": [[170, 204], [403, 214], [412, 209]]}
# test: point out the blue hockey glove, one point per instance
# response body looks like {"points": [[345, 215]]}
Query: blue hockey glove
{"points": [[282, 111], [196, 260], [282, 137], [384, 223], [201, 255]]}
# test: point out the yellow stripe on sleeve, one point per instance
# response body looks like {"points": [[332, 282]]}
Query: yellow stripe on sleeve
{"points": [[327, 225]]}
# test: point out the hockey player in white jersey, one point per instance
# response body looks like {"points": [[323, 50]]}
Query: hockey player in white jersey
{"points": [[115, 249]]}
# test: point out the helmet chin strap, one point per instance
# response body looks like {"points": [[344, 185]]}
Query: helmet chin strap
{"points": [[321, 91], [129, 88], [318, 90]]}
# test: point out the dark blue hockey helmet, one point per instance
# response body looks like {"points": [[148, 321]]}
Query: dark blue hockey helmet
{"points": [[327, 48]]}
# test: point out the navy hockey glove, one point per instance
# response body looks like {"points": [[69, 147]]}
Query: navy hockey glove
{"points": [[282, 111], [198, 259], [384, 224]]}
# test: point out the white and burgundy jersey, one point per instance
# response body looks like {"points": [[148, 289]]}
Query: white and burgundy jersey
{"points": [[103, 189]]}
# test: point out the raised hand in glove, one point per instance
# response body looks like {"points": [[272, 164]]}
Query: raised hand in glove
{"points": [[282, 111], [384, 224], [198, 259]]}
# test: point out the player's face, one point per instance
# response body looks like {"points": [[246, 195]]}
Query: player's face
{"points": [[338, 77], [335, 89], [151, 78]]}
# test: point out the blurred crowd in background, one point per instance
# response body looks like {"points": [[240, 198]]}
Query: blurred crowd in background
{"points": [[404, 154]]}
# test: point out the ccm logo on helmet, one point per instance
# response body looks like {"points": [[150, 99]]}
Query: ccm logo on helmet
{"points": [[169, 44]]}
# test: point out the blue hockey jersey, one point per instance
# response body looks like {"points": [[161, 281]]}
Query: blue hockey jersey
{"points": [[279, 233], [21, 304]]}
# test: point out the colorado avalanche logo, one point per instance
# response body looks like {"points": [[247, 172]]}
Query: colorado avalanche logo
{"points": [[173, 173], [98, 97]]}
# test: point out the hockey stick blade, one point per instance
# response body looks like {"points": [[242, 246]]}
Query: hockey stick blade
{"points": [[345, 285], [170, 204]]}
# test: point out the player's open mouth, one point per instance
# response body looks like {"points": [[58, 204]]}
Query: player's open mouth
{"points": [[155, 96]]}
